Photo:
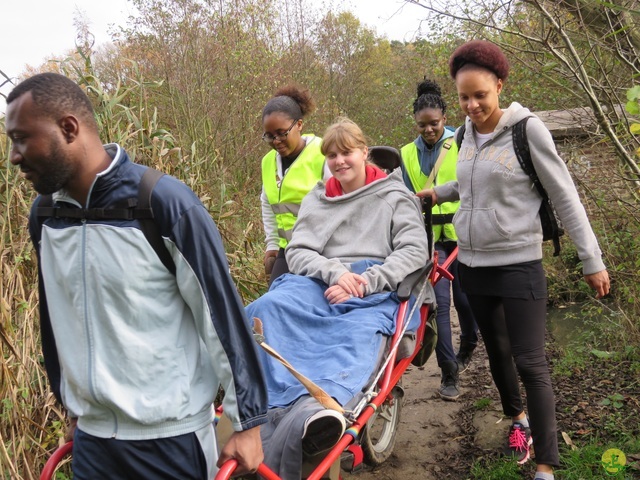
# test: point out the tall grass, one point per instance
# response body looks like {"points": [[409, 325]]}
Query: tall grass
{"points": [[29, 418], [125, 116]]}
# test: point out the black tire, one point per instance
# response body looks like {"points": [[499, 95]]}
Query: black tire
{"points": [[379, 434]]}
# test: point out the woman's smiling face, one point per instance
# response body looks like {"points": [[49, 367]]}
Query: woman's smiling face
{"points": [[285, 132], [348, 167], [430, 124], [478, 95]]}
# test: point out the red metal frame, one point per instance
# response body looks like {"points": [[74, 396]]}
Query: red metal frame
{"points": [[393, 373], [54, 460]]}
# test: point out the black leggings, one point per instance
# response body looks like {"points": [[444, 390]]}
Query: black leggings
{"points": [[280, 266], [513, 330]]}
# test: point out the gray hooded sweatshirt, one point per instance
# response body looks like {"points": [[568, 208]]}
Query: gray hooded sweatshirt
{"points": [[498, 221], [381, 221]]}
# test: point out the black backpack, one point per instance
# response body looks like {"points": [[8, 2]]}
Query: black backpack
{"points": [[134, 208], [551, 228]]}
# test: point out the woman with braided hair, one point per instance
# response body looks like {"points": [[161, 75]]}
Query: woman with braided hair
{"points": [[427, 161]]}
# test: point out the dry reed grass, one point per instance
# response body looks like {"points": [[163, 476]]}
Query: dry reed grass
{"points": [[30, 421]]}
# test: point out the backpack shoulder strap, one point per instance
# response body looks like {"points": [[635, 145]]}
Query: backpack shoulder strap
{"points": [[460, 135], [523, 153], [45, 207], [141, 211], [147, 223], [444, 150]]}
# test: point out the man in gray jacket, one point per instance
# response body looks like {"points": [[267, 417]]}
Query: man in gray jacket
{"points": [[135, 352]]}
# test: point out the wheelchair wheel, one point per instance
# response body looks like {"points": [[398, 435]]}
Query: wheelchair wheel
{"points": [[379, 434]]}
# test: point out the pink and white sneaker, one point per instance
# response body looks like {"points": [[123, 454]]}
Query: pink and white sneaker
{"points": [[519, 442]]}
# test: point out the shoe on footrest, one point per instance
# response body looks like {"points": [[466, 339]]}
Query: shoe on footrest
{"points": [[322, 431]]}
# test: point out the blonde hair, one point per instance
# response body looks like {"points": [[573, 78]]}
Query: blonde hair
{"points": [[344, 134]]}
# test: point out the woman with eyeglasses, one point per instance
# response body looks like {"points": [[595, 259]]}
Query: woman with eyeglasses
{"points": [[289, 171]]}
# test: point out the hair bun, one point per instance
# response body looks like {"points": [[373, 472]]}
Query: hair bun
{"points": [[429, 87]]}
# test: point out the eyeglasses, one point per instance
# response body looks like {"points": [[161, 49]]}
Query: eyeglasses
{"points": [[267, 137]]}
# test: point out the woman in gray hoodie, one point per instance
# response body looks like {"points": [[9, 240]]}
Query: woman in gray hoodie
{"points": [[500, 244], [358, 235]]}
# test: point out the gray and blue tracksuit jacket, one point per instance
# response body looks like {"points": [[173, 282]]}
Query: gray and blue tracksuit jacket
{"points": [[133, 351]]}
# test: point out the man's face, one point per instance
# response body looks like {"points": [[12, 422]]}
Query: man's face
{"points": [[38, 146]]}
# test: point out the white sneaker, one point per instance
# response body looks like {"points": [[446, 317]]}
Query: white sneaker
{"points": [[322, 431]]}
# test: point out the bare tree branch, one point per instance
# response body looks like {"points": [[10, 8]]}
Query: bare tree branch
{"points": [[578, 34]]}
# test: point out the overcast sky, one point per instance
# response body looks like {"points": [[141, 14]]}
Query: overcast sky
{"points": [[34, 30]]}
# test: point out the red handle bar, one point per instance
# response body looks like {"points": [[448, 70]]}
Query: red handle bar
{"points": [[57, 456], [230, 466], [225, 471]]}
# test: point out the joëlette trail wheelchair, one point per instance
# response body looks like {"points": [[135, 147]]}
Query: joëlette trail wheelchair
{"points": [[373, 422]]}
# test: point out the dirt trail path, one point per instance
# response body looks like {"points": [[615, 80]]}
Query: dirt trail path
{"points": [[435, 439]]}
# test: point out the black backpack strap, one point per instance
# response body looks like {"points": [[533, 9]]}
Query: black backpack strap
{"points": [[442, 218], [130, 209], [45, 206], [427, 210], [147, 223], [93, 213], [460, 135], [126, 211], [523, 153]]}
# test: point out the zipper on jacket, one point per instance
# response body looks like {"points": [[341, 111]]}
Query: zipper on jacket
{"points": [[90, 378], [85, 300], [115, 425], [473, 168]]}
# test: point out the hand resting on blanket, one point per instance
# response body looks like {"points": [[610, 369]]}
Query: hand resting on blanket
{"points": [[349, 285]]}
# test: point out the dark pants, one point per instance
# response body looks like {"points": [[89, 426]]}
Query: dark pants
{"points": [[282, 436], [280, 266], [179, 458], [513, 330], [443, 289]]}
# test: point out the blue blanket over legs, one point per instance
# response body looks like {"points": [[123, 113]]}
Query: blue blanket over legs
{"points": [[336, 346]]}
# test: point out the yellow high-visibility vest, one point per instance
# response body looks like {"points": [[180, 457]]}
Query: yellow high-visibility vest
{"points": [[446, 173], [286, 195]]}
